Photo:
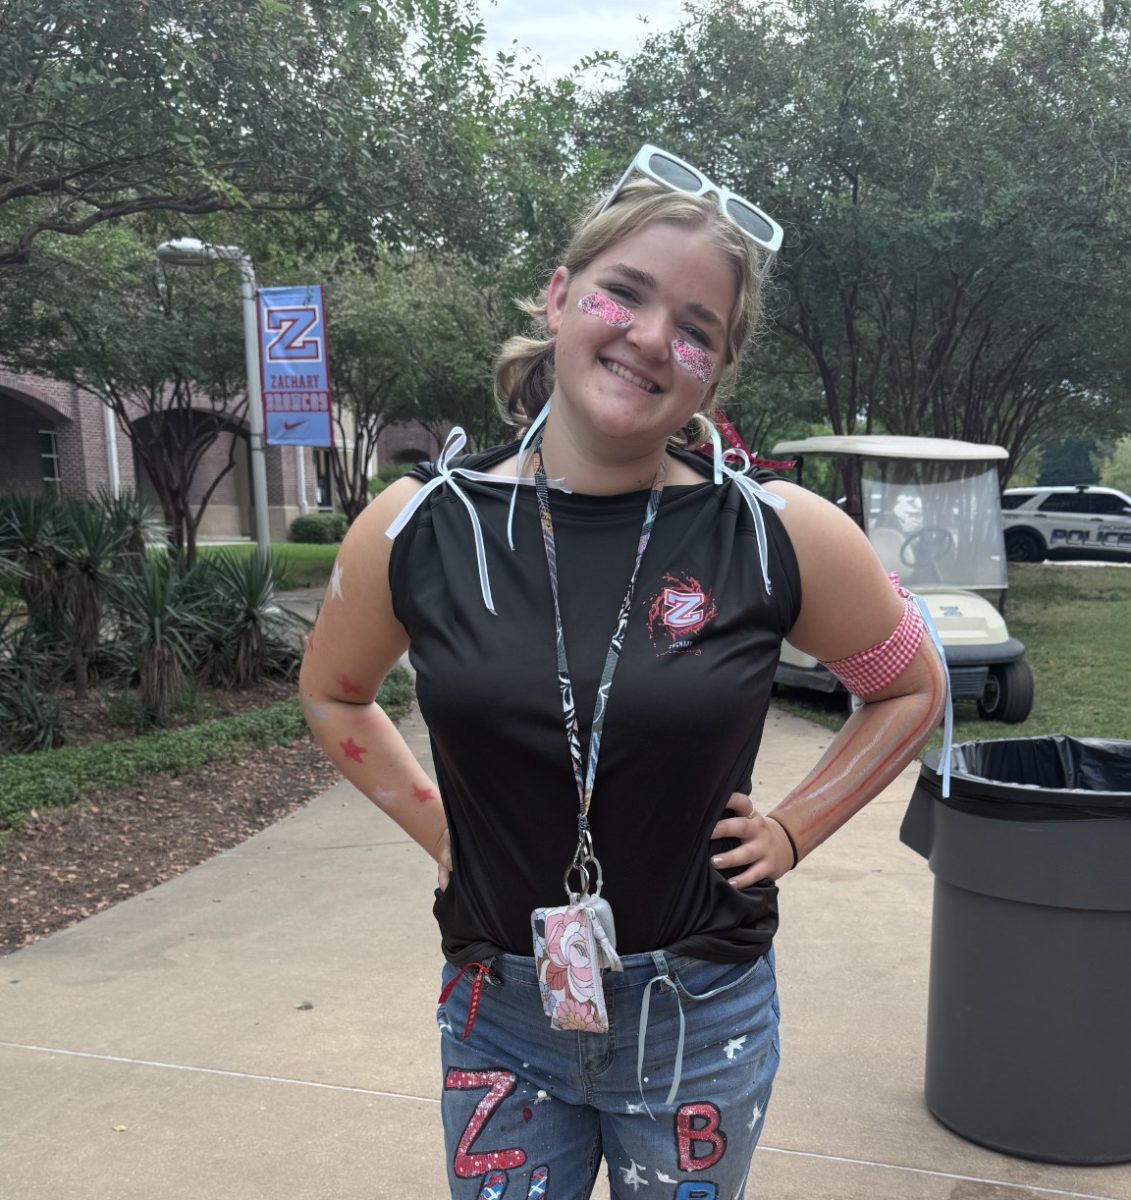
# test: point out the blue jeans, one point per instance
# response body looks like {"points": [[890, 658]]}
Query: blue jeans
{"points": [[529, 1111]]}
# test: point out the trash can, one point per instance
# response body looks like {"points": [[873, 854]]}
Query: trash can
{"points": [[1029, 1004]]}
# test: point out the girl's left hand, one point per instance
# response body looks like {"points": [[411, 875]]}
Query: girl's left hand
{"points": [[765, 851]]}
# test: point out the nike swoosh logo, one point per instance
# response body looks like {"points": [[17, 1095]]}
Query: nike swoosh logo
{"points": [[289, 425]]}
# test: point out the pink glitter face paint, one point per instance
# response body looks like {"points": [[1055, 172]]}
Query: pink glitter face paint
{"points": [[694, 360], [604, 308]]}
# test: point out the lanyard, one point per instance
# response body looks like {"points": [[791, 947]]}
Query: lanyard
{"points": [[584, 853]]}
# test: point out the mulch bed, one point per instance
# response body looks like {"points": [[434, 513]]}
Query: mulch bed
{"points": [[66, 864]]}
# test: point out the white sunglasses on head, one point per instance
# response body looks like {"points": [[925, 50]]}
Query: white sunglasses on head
{"points": [[680, 176]]}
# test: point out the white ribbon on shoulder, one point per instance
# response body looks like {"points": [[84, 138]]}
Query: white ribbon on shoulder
{"points": [[446, 474], [752, 492]]}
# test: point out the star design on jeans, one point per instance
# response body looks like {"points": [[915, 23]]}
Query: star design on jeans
{"points": [[734, 1045], [662, 1178], [632, 1175], [755, 1117], [336, 582], [631, 1109]]}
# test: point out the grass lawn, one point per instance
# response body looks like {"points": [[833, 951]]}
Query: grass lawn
{"points": [[1075, 621], [306, 565]]}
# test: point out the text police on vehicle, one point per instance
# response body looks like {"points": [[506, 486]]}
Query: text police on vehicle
{"points": [[1043, 521]]}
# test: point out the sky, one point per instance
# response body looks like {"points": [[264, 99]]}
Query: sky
{"points": [[560, 32]]}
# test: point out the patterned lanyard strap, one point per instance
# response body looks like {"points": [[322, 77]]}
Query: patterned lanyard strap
{"points": [[584, 853]]}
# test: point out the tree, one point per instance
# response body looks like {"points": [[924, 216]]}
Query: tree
{"points": [[953, 259], [1116, 471], [370, 368], [162, 348], [374, 112], [1070, 461]]}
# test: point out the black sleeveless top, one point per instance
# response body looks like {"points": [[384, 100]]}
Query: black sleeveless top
{"points": [[685, 715]]}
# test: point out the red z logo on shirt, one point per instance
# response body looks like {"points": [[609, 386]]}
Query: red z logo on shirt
{"points": [[678, 613], [682, 610]]}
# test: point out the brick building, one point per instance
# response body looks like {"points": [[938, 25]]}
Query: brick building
{"points": [[59, 436]]}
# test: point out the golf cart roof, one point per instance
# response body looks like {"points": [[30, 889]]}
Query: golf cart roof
{"points": [[880, 445]]}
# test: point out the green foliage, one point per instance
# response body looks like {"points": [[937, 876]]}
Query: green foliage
{"points": [[31, 781], [129, 711], [387, 474], [160, 614], [30, 719], [184, 106], [1026, 472], [90, 547], [301, 565], [318, 528], [161, 347], [60, 777], [29, 532], [953, 265], [1070, 461], [1116, 471], [245, 636]]}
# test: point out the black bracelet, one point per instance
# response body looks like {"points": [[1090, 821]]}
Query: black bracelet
{"points": [[789, 836]]}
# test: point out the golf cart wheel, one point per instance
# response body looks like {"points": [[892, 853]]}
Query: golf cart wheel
{"points": [[1023, 546], [1008, 695]]}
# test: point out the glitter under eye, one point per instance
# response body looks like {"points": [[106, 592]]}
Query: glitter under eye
{"points": [[596, 304], [694, 360]]}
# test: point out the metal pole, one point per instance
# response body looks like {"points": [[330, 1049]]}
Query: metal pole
{"points": [[255, 407], [110, 431], [300, 472]]}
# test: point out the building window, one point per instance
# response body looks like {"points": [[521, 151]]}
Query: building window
{"points": [[323, 490], [49, 456]]}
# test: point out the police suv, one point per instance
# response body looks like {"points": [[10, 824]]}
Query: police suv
{"points": [[1040, 522]]}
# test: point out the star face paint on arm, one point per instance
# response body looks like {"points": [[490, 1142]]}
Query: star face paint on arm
{"points": [[351, 749], [422, 795], [694, 360], [605, 308], [336, 582]]}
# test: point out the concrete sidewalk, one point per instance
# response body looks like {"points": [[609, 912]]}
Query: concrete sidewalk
{"points": [[262, 1027]]}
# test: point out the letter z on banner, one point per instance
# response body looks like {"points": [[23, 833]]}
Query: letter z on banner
{"points": [[293, 366]]}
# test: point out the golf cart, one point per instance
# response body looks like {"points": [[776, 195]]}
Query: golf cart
{"points": [[930, 507]]}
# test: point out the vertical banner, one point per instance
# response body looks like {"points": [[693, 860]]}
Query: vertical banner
{"points": [[293, 366]]}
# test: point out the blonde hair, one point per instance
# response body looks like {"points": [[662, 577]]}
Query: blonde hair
{"points": [[524, 368]]}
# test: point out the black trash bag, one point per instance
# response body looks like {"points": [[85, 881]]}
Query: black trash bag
{"points": [[1054, 778]]}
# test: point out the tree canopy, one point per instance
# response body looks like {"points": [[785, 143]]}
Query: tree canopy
{"points": [[372, 111], [953, 184]]}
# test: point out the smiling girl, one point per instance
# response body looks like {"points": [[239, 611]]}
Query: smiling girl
{"points": [[595, 617]]}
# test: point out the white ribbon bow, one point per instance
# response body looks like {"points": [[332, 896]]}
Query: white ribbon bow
{"points": [[752, 492], [446, 474]]}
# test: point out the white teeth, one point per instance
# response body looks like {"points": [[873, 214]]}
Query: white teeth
{"points": [[625, 373]]}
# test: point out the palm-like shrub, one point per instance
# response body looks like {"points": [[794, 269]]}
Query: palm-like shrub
{"points": [[90, 542], [29, 533], [30, 719], [250, 636], [160, 617], [139, 523]]}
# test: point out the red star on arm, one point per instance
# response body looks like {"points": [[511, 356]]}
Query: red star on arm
{"points": [[421, 795], [348, 686], [352, 749]]}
